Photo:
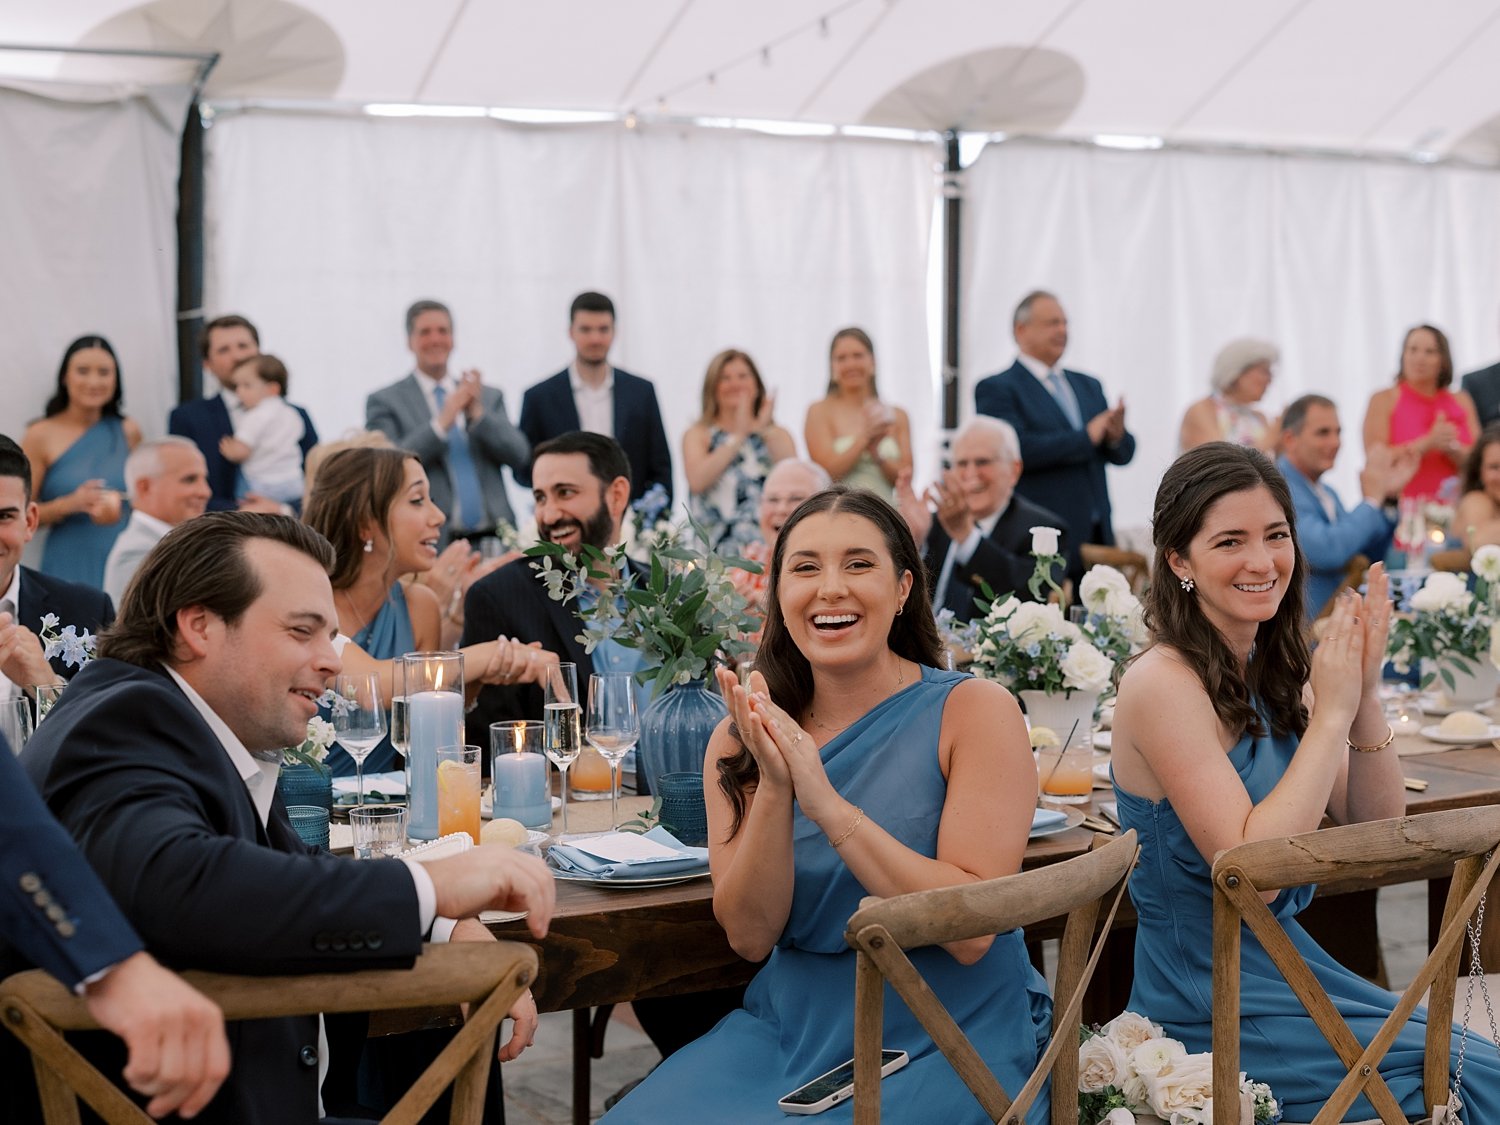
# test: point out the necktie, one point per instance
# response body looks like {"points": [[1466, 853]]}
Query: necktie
{"points": [[468, 499], [1063, 394]]}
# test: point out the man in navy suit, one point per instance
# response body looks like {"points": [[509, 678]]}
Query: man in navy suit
{"points": [[1329, 534], [1484, 388], [1068, 430], [591, 395], [982, 529], [26, 595], [55, 914], [227, 341], [161, 760]]}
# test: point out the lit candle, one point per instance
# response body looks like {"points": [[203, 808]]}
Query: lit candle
{"points": [[437, 719], [521, 789]]}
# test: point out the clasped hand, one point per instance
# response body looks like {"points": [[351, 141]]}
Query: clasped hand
{"points": [[1347, 662], [786, 754]]}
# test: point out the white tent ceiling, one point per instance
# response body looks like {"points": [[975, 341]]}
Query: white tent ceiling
{"points": [[1387, 77]]}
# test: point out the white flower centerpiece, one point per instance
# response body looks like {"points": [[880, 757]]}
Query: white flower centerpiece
{"points": [[314, 748], [1129, 1066], [1453, 631]]}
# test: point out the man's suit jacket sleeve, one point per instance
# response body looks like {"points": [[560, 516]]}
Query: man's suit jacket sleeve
{"points": [[532, 429], [41, 869], [309, 433], [659, 456], [500, 441], [407, 430], [1041, 447]]}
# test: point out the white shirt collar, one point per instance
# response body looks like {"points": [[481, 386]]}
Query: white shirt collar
{"points": [[1036, 366], [259, 777], [12, 594], [157, 527], [231, 400], [580, 387]]}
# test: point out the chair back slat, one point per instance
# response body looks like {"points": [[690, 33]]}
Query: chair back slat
{"points": [[1392, 847], [1077, 887]]}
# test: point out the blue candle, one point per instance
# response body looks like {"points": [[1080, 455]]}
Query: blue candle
{"points": [[437, 719], [521, 791]]}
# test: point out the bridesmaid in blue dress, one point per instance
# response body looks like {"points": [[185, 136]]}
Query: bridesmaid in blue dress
{"points": [[373, 505], [1217, 742], [872, 773], [77, 451]]}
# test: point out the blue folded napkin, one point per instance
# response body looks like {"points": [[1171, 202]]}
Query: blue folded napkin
{"points": [[1046, 818], [567, 858]]}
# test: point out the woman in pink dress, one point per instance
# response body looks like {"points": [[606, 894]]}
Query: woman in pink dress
{"points": [[1421, 413]]}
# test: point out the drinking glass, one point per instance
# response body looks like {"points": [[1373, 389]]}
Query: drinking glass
{"points": [[47, 696], [400, 709], [358, 719], [458, 790], [15, 722], [560, 734], [379, 831], [523, 783], [614, 726]]}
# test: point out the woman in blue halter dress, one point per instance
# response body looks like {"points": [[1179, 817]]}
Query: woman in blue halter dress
{"points": [[904, 778], [78, 453], [1196, 773], [373, 505]]}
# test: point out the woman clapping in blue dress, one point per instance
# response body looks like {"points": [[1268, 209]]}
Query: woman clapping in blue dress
{"points": [[1227, 731], [853, 767]]}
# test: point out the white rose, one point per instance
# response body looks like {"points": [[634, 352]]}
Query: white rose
{"points": [[1118, 1117], [1155, 1054], [1204, 1114], [1134, 1090], [1442, 590], [1085, 668], [1098, 584], [1486, 562], [1033, 621], [1130, 1030], [1184, 1082], [1000, 610], [1044, 540], [1101, 1063]]}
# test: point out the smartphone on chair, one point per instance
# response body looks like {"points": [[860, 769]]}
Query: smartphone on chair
{"points": [[837, 1085]]}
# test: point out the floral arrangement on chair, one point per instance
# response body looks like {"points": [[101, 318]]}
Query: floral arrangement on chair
{"points": [[1447, 624], [1033, 646], [682, 615], [1130, 1066]]}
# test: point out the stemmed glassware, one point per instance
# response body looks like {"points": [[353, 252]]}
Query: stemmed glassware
{"points": [[15, 722], [358, 719], [561, 737], [614, 726], [401, 718]]}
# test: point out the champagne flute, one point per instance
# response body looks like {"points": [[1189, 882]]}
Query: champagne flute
{"points": [[401, 720], [614, 726], [560, 733], [358, 719]]}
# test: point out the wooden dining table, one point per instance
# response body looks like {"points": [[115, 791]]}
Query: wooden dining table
{"points": [[610, 946]]}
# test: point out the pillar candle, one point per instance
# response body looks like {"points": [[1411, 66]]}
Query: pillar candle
{"points": [[521, 790], [437, 719]]}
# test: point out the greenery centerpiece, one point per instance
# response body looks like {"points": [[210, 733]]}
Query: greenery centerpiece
{"points": [[1451, 629]]}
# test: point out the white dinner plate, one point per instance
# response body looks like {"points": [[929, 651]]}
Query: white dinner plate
{"points": [[1435, 733], [629, 884], [1436, 703], [1103, 739], [486, 810], [1075, 818], [1101, 772]]}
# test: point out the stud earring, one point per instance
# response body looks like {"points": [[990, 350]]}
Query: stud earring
{"points": [[369, 545], [1187, 584]]}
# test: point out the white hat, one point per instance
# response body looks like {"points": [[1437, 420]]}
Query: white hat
{"points": [[1237, 357]]}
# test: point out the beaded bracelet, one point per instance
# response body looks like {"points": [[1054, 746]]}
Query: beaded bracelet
{"points": [[853, 824], [1389, 738]]}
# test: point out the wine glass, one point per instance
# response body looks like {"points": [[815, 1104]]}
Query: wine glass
{"points": [[401, 720], [614, 726], [358, 719], [15, 722], [560, 734]]}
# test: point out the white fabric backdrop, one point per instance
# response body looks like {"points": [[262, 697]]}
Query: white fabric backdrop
{"points": [[88, 204], [1160, 258], [324, 228]]}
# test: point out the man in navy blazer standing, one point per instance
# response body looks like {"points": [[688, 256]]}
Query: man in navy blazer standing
{"points": [[56, 914], [589, 394], [227, 341], [1068, 430]]}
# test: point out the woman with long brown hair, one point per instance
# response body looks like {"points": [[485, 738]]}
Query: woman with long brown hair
{"points": [[861, 441], [1227, 731], [855, 766]]}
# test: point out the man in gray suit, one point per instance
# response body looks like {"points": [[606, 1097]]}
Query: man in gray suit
{"points": [[167, 479], [456, 425]]}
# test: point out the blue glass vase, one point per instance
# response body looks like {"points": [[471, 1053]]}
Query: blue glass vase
{"points": [[675, 729], [305, 785]]}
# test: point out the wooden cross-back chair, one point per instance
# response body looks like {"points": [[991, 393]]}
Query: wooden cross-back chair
{"points": [[1420, 846], [882, 929], [489, 976], [1132, 564]]}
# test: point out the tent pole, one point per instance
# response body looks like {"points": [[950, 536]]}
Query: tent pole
{"points": [[952, 230]]}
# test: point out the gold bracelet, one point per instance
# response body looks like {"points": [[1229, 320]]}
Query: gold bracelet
{"points": [[1389, 738], [853, 824]]}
